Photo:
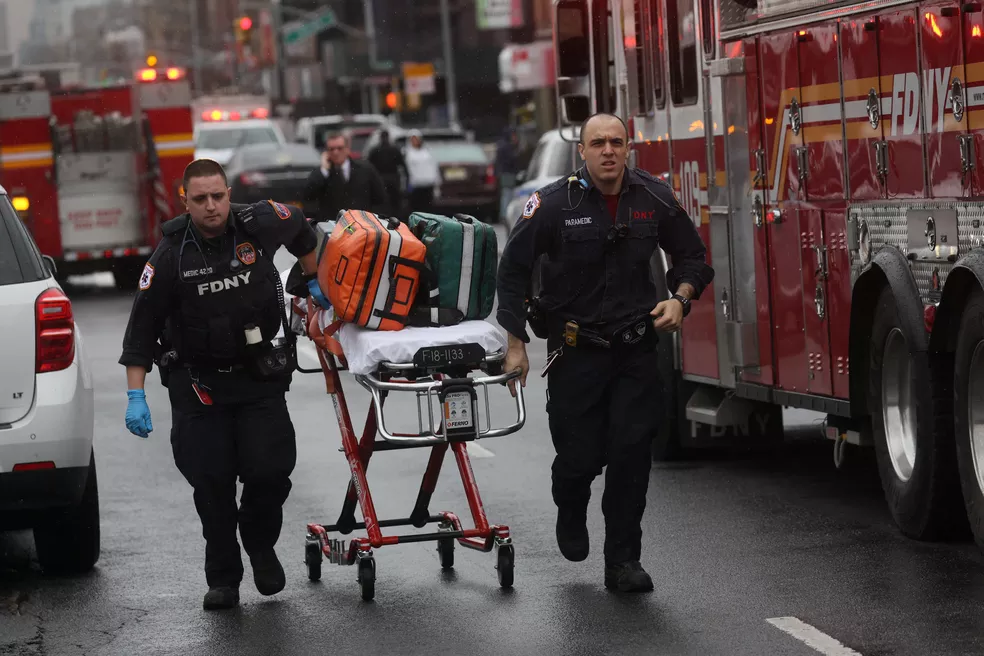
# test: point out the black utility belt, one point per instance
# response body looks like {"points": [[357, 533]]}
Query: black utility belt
{"points": [[220, 368], [576, 335]]}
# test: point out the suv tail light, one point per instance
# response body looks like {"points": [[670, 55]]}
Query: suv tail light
{"points": [[55, 330], [490, 176]]}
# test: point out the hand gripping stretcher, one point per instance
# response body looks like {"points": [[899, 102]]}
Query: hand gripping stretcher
{"points": [[434, 364]]}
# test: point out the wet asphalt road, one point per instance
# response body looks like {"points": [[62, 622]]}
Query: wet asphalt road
{"points": [[732, 539]]}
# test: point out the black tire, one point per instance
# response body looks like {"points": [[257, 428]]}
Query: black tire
{"points": [[970, 336], [67, 541], [445, 551], [505, 565], [367, 578], [925, 504], [312, 558]]}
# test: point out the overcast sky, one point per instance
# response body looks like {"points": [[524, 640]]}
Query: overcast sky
{"points": [[19, 14]]}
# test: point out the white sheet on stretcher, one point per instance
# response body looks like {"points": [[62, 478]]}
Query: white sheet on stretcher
{"points": [[366, 349]]}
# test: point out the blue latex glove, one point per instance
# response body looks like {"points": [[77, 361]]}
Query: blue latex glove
{"points": [[138, 414], [317, 294]]}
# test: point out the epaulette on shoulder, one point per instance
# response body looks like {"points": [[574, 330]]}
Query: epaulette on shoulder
{"points": [[556, 185], [649, 177], [175, 225]]}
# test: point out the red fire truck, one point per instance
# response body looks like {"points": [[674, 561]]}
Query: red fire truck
{"points": [[831, 155], [94, 171]]}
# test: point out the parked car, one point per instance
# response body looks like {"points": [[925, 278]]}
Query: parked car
{"points": [[468, 182], [271, 171], [312, 130], [553, 158], [47, 462], [219, 140]]}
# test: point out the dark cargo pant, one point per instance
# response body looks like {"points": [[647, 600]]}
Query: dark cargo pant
{"points": [[252, 440], [604, 408]]}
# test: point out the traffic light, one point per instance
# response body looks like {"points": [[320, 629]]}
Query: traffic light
{"points": [[244, 29], [392, 101]]}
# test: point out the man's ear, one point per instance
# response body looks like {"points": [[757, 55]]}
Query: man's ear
{"points": [[184, 200]]}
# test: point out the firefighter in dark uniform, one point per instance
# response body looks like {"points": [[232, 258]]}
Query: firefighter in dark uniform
{"points": [[207, 311], [598, 310]]}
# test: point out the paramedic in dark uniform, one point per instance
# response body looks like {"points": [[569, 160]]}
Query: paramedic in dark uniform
{"points": [[598, 307], [209, 294]]}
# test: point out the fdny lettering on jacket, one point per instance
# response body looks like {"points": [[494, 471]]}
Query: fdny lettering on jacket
{"points": [[217, 286]]}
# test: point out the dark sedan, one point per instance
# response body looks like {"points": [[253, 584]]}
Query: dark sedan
{"points": [[271, 171], [468, 181]]}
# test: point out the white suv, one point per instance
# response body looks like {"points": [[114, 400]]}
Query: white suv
{"points": [[47, 466]]}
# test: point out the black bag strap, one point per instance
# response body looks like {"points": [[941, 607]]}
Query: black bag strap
{"points": [[413, 264], [421, 316], [244, 214]]}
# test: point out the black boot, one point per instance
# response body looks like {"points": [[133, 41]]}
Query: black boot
{"points": [[628, 577], [219, 598], [268, 574], [572, 534]]}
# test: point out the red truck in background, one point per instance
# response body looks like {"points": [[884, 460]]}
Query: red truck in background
{"points": [[94, 171]]}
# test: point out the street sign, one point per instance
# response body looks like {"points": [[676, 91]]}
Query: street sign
{"points": [[418, 78], [316, 23]]}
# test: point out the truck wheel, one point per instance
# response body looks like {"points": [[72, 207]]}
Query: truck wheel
{"points": [[968, 410], [911, 421], [67, 541]]}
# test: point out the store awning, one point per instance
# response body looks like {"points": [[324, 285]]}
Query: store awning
{"points": [[523, 67]]}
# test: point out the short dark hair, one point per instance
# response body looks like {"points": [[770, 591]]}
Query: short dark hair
{"points": [[584, 124], [202, 168], [335, 134]]}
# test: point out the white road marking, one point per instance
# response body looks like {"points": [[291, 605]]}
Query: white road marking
{"points": [[811, 636], [477, 451]]}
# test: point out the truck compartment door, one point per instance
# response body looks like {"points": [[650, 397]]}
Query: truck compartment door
{"points": [[972, 153], [899, 69], [944, 99], [863, 110], [783, 116], [733, 219]]}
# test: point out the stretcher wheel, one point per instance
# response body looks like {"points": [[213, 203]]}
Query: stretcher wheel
{"points": [[445, 551], [312, 558], [367, 578], [505, 559]]}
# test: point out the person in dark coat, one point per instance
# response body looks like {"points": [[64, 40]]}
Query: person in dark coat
{"points": [[343, 183], [387, 158]]}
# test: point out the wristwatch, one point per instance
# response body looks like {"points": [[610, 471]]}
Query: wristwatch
{"points": [[684, 301]]}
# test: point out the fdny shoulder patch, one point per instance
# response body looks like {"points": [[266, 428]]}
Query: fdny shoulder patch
{"points": [[281, 210], [146, 277], [246, 253], [532, 205]]}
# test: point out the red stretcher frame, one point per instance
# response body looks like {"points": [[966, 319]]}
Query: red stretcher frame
{"points": [[320, 546]]}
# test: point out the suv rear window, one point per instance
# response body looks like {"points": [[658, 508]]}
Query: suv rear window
{"points": [[20, 260]]}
